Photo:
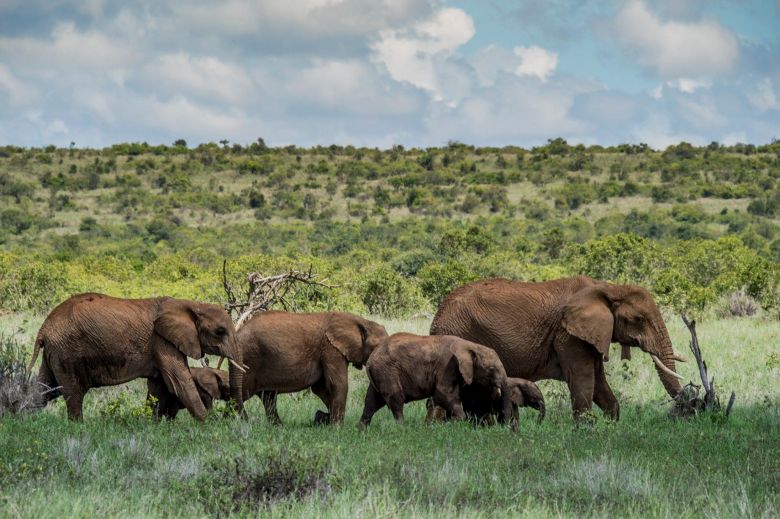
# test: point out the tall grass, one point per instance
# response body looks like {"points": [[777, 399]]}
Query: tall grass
{"points": [[121, 464]]}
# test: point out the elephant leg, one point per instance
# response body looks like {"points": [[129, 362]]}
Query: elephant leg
{"points": [[373, 403], [322, 393], [48, 384], [72, 390], [450, 402], [269, 404], [178, 379], [603, 395], [336, 384], [74, 402], [166, 404], [578, 366]]}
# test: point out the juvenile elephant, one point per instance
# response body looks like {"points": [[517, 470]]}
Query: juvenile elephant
{"points": [[482, 404], [288, 352], [93, 340], [212, 384], [561, 330], [407, 367]]}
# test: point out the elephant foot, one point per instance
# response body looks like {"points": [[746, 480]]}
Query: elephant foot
{"points": [[321, 418]]}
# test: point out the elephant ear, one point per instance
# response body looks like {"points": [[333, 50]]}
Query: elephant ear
{"points": [[176, 324], [207, 381], [517, 397], [587, 316], [465, 361], [347, 336]]}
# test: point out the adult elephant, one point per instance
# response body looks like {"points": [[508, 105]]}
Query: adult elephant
{"points": [[93, 340], [561, 330], [288, 352]]}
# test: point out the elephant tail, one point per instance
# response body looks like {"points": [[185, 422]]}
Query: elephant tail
{"points": [[36, 350]]}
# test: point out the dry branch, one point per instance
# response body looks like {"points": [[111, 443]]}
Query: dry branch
{"points": [[263, 292], [688, 402]]}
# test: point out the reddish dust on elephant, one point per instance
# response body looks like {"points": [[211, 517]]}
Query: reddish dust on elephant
{"points": [[407, 367], [212, 384], [288, 352], [561, 330], [93, 340]]}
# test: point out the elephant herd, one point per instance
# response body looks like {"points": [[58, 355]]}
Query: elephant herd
{"points": [[490, 341]]}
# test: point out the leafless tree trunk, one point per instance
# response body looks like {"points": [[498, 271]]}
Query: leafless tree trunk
{"points": [[688, 402]]}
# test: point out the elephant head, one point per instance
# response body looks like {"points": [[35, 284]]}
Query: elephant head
{"points": [[525, 393], [604, 313], [480, 365], [213, 384], [198, 329], [354, 337]]}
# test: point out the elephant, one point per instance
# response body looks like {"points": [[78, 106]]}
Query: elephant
{"points": [[288, 352], [212, 384], [407, 367], [93, 340], [561, 330], [482, 404]]}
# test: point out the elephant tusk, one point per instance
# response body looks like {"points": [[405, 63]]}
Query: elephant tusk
{"points": [[679, 358], [237, 365], [665, 369]]}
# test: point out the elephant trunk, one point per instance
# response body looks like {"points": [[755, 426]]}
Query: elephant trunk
{"points": [[236, 374], [507, 410], [663, 356]]}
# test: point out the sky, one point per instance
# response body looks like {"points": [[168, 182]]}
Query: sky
{"points": [[386, 72]]}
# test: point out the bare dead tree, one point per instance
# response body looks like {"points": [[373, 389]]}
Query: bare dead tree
{"points": [[263, 292], [688, 402]]}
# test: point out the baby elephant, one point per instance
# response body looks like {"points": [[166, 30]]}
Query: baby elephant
{"points": [[406, 367], [212, 384], [482, 405]]}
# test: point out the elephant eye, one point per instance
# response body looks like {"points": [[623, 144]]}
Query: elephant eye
{"points": [[221, 331]]}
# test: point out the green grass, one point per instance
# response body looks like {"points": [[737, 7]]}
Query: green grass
{"points": [[643, 465]]}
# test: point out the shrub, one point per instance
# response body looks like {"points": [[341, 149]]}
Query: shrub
{"points": [[127, 407], [439, 279], [409, 263], [386, 292], [16, 220], [739, 304], [18, 390], [621, 258], [31, 284]]}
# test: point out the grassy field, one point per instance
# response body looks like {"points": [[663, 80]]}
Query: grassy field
{"points": [[115, 464]]}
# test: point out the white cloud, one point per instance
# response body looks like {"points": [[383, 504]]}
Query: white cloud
{"points": [[536, 61], [657, 92], [658, 131], [350, 86], [56, 128], [16, 91], [730, 139], [514, 109], [763, 97], [409, 55], [204, 77], [675, 49], [688, 85], [311, 21], [67, 49]]}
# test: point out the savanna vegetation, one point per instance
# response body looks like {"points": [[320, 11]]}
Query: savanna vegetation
{"points": [[396, 230]]}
